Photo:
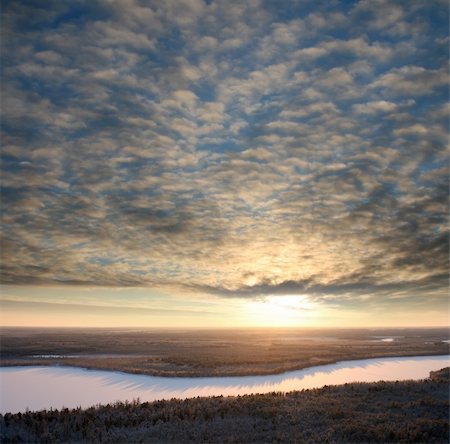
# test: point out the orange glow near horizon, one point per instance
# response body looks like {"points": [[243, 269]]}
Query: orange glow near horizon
{"points": [[46, 307]]}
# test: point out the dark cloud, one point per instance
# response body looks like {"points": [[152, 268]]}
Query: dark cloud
{"points": [[355, 285]]}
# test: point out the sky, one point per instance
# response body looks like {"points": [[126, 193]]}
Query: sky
{"points": [[220, 163]]}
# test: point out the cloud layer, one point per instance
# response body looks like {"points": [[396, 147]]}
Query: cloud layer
{"points": [[232, 148]]}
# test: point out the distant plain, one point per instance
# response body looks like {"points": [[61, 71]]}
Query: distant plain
{"points": [[201, 352]]}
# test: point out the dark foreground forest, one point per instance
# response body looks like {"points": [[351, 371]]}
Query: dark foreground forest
{"points": [[385, 412]]}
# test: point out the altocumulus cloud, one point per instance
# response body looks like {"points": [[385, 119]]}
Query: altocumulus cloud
{"points": [[235, 148]]}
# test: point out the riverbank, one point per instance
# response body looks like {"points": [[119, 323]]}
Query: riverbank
{"points": [[409, 411], [140, 366], [202, 353], [36, 388]]}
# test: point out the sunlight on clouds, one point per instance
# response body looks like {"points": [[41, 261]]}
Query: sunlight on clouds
{"points": [[281, 311], [239, 153], [124, 307]]}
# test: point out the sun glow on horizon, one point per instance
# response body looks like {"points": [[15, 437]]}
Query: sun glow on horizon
{"points": [[282, 311], [132, 307], [216, 163]]}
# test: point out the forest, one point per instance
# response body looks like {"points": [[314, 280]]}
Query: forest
{"points": [[407, 412]]}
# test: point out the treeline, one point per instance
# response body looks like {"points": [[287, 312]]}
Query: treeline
{"points": [[380, 412]]}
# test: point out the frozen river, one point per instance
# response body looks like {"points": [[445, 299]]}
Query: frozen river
{"points": [[40, 387]]}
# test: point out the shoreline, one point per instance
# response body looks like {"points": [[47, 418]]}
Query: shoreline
{"points": [[219, 375], [213, 353], [399, 411]]}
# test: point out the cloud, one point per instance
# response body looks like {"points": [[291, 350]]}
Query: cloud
{"points": [[412, 80], [231, 148], [327, 293], [379, 106], [381, 14]]}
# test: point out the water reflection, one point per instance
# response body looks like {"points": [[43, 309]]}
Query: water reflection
{"points": [[44, 387]]}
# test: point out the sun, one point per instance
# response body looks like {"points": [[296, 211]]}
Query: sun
{"points": [[280, 311]]}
